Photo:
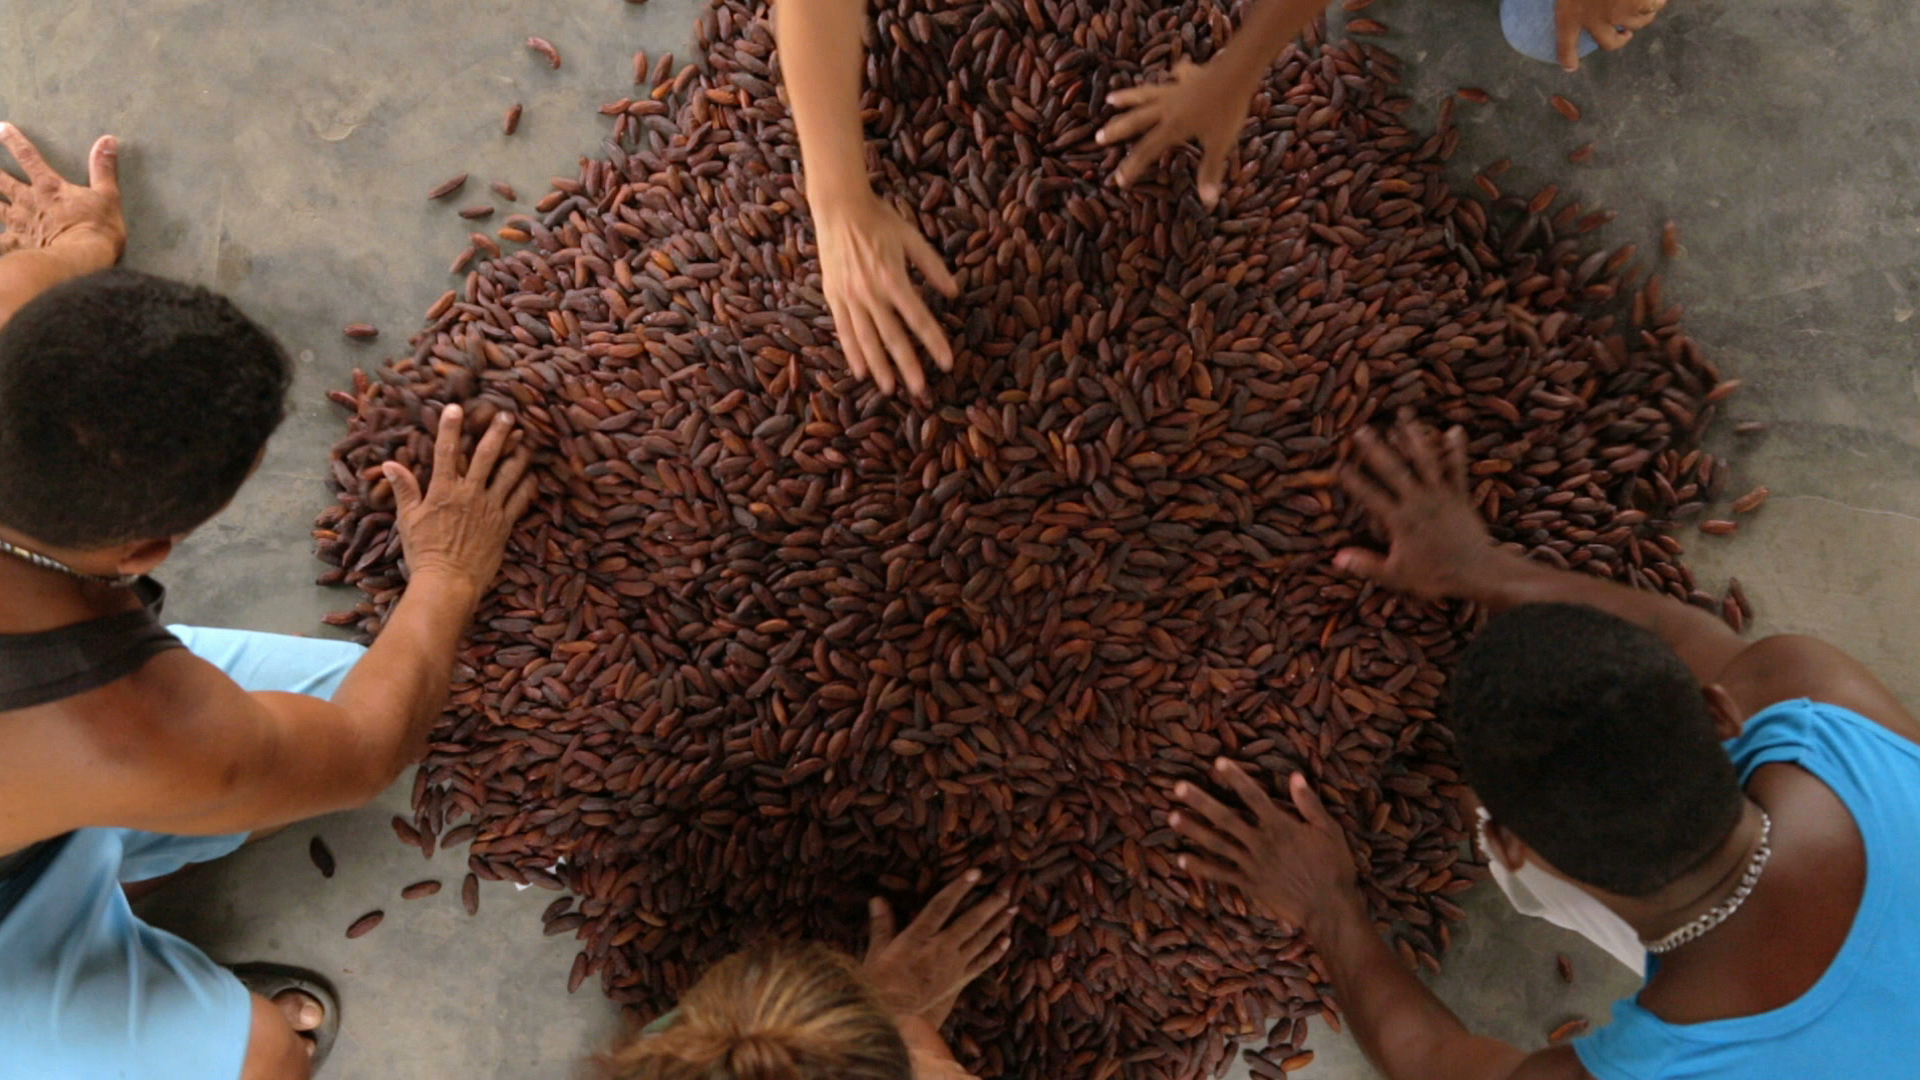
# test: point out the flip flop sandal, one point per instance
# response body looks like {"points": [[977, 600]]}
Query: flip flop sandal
{"points": [[272, 980]]}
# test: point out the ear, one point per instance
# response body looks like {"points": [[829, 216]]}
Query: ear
{"points": [[143, 556], [1512, 851], [1728, 718]]}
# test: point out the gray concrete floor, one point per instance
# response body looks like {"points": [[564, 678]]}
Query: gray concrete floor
{"points": [[281, 152]]}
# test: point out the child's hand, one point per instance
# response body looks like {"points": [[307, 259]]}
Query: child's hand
{"points": [[1611, 22]]}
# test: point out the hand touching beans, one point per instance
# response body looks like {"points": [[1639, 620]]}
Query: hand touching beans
{"points": [[865, 246], [1205, 102], [460, 525], [1291, 864], [922, 971]]}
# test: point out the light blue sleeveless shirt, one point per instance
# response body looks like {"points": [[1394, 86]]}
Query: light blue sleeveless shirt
{"points": [[1862, 1018]]}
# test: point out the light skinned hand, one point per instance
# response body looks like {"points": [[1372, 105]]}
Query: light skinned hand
{"points": [[921, 972], [1611, 22], [1291, 864], [1416, 490], [1205, 102], [460, 525], [45, 209], [865, 246]]}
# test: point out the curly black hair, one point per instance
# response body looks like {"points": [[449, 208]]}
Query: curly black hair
{"points": [[131, 408], [1590, 739]]}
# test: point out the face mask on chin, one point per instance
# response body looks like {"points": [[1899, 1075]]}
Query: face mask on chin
{"points": [[1534, 891]]}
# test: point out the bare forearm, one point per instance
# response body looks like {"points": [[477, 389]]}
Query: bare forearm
{"points": [[400, 687], [1269, 28], [822, 60], [1703, 641], [1407, 1032], [27, 273]]}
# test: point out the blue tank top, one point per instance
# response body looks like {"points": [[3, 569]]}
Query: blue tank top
{"points": [[1861, 1017]]}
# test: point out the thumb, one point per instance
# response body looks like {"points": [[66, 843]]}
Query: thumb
{"points": [[103, 167], [1360, 562], [880, 930], [406, 489], [932, 266]]}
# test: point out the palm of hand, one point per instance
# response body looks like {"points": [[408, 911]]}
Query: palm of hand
{"points": [[46, 208]]}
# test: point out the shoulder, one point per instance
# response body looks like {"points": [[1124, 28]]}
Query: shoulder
{"points": [[1789, 666]]}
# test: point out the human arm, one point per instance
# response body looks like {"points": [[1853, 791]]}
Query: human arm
{"points": [[1207, 101], [1293, 866], [55, 231], [865, 244], [1415, 485], [229, 761]]}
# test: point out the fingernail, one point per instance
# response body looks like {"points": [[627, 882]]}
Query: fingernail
{"points": [[1180, 789], [1100, 136], [5, 127], [876, 905], [1183, 862], [973, 875], [1173, 819], [1220, 763], [110, 144], [1343, 561]]}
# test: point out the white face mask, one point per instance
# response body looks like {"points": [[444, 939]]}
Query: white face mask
{"points": [[1534, 891]]}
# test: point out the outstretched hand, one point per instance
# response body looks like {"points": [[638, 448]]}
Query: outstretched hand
{"points": [[1416, 490], [865, 246], [46, 209], [1206, 102], [921, 971], [1611, 22], [460, 524], [1291, 864]]}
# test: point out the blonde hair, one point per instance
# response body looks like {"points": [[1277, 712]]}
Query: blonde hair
{"points": [[781, 1012]]}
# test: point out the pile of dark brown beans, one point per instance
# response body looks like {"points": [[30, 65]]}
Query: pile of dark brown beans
{"points": [[772, 642]]}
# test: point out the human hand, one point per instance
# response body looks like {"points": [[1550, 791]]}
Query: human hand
{"points": [[1206, 102], [1416, 490], [1611, 22], [45, 209], [460, 525], [1292, 866], [865, 246], [922, 971]]}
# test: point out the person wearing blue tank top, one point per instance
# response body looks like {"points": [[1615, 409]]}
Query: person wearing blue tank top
{"points": [[1748, 812]]}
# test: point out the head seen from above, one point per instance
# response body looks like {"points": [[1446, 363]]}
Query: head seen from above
{"points": [[131, 410], [1589, 740], [779, 1012]]}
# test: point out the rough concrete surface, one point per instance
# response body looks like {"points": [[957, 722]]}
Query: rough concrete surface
{"points": [[281, 152]]}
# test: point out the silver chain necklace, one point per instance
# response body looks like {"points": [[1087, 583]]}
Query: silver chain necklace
{"points": [[1724, 910], [120, 581]]}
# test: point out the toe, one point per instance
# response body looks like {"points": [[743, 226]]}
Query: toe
{"points": [[303, 1012]]}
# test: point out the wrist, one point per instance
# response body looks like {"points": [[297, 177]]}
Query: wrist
{"points": [[832, 192], [1339, 915], [445, 584], [83, 249]]}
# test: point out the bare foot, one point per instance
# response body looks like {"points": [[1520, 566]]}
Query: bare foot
{"points": [[304, 1013]]}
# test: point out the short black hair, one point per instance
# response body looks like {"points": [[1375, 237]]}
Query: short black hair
{"points": [[131, 408], [1589, 738]]}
